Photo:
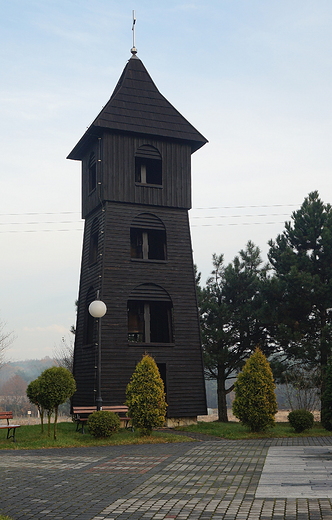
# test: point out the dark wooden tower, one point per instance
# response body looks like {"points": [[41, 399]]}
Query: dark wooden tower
{"points": [[136, 193]]}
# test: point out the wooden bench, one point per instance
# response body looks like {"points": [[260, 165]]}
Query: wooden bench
{"points": [[81, 415], [8, 426]]}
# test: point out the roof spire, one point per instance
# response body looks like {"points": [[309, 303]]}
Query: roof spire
{"points": [[133, 49]]}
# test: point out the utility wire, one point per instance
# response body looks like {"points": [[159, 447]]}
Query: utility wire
{"points": [[49, 213], [43, 222], [191, 217], [193, 209], [237, 224], [39, 230], [241, 216], [261, 206]]}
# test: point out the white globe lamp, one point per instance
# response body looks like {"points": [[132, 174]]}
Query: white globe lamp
{"points": [[97, 309]]}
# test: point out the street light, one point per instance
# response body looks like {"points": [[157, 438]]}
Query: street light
{"points": [[98, 309]]}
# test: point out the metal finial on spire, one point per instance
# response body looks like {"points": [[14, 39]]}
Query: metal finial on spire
{"points": [[134, 50]]}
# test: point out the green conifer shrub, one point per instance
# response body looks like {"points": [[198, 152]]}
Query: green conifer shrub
{"points": [[326, 399], [103, 423], [146, 397], [301, 420], [255, 402]]}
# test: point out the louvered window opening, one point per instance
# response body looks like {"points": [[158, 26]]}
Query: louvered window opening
{"points": [[89, 321], [150, 315], [92, 173], [148, 166], [94, 238], [147, 238]]}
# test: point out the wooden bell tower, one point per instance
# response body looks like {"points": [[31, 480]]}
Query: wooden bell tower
{"points": [[136, 193]]}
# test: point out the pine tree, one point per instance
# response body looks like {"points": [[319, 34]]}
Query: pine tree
{"points": [[146, 397], [231, 311], [255, 402], [302, 286]]}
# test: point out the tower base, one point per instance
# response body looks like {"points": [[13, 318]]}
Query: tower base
{"points": [[173, 422]]}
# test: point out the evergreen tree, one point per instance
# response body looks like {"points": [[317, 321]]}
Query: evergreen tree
{"points": [[255, 402], [232, 318], [301, 290], [146, 397]]}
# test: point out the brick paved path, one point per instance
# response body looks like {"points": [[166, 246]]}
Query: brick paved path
{"points": [[213, 479]]}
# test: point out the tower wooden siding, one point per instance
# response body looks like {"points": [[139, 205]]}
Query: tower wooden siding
{"points": [[116, 171], [137, 115], [121, 274]]}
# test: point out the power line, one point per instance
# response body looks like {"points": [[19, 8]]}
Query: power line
{"points": [[33, 223], [238, 224], [49, 213], [39, 230], [193, 209], [241, 216], [43, 222], [243, 207], [191, 218]]}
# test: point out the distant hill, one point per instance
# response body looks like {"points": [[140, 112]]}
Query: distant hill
{"points": [[211, 396], [29, 369]]}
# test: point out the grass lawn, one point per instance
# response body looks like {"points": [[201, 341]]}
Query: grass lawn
{"points": [[235, 430], [30, 437]]}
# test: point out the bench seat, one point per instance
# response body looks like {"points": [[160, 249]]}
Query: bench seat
{"points": [[81, 415], [11, 428]]}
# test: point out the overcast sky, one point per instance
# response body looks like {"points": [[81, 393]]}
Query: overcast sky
{"points": [[254, 77]]}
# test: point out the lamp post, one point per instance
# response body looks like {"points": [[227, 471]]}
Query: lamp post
{"points": [[98, 309]]}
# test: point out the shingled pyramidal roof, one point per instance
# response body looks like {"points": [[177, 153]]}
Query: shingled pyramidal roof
{"points": [[137, 107]]}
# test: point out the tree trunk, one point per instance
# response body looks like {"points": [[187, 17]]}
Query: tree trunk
{"points": [[324, 354], [55, 421], [221, 393], [41, 415], [49, 413]]}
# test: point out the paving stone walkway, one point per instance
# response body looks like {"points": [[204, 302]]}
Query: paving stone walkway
{"points": [[270, 479]]}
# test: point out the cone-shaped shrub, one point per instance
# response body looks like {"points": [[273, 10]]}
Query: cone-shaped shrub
{"points": [[146, 397], [255, 401]]}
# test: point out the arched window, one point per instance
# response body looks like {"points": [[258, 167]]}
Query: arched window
{"points": [[89, 321], [150, 315], [93, 246], [92, 172], [147, 238], [148, 165]]}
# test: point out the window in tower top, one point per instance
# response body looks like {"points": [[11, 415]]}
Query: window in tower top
{"points": [[148, 166]]}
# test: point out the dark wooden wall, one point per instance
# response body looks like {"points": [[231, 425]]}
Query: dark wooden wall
{"points": [[115, 154], [118, 275]]}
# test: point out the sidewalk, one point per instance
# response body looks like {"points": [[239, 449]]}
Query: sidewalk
{"points": [[209, 479]]}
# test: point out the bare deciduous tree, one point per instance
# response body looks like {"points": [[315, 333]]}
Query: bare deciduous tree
{"points": [[64, 354], [6, 339], [302, 384]]}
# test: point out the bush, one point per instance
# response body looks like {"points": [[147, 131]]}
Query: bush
{"points": [[301, 420], [146, 397], [103, 424], [51, 389], [255, 402]]}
